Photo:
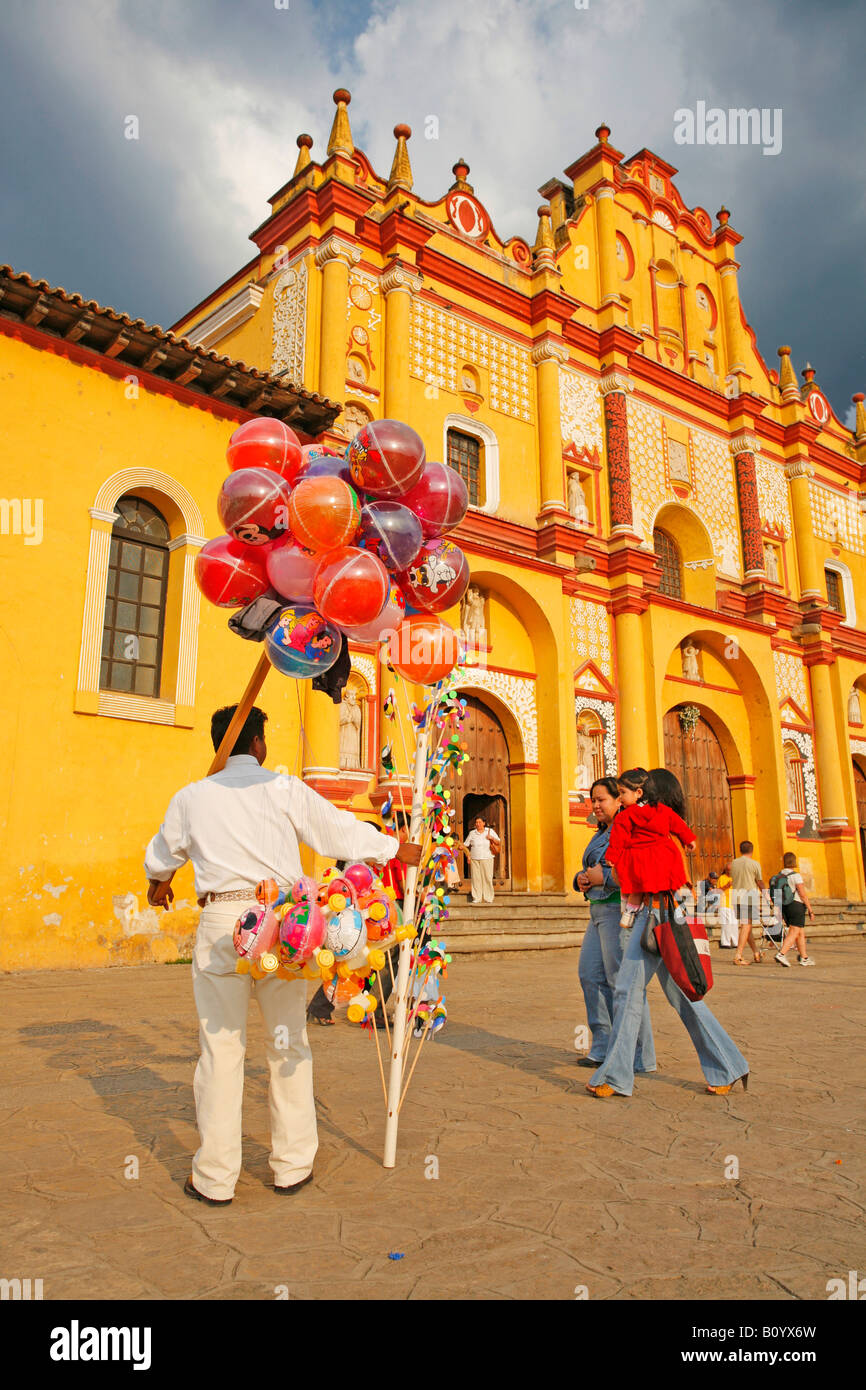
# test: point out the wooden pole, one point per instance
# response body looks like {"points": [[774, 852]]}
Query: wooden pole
{"points": [[398, 1032]]}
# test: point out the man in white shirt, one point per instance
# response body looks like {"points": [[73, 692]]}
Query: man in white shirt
{"points": [[239, 826], [481, 844]]}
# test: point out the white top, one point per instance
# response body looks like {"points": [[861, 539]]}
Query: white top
{"points": [[244, 824], [478, 843], [793, 877]]}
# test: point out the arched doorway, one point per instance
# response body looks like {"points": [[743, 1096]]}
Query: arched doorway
{"points": [[483, 789], [860, 791], [695, 756]]}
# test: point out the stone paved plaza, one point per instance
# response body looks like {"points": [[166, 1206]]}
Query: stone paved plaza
{"points": [[541, 1190]]}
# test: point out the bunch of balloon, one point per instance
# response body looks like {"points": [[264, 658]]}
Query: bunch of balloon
{"points": [[350, 542]]}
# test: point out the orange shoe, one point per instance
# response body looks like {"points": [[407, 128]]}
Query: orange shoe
{"points": [[725, 1090], [602, 1092]]}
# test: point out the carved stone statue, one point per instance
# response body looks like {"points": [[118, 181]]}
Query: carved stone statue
{"points": [[791, 785], [771, 564], [472, 618], [691, 670], [585, 763], [855, 714], [577, 501], [350, 731]]}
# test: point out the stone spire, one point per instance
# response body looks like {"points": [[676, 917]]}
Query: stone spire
{"points": [[340, 141], [787, 380], [544, 250], [304, 143], [401, 170]]}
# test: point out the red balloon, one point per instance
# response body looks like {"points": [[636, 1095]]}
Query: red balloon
{"points": [[323, 513], [390, 618], [439, 499], [291, 569], [437, 578], [230, 574], [253, 505], [350, 587], [386, 458], [424, 649], [266, 443]]}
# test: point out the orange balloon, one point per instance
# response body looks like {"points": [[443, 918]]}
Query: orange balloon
{"points": [[323, 513], [424, 649]]}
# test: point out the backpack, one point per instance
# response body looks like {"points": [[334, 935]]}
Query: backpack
{"points": [[781, 884]]}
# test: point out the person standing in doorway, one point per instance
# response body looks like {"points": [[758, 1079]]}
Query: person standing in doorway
{"points": [[481, 844], [747, 886]]}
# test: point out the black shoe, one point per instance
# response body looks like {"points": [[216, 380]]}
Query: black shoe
{"points": [[294, 1187], [200, 1197], [590, 1062]]}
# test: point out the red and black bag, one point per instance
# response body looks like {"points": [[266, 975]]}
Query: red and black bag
{"points": [[683, 946]]}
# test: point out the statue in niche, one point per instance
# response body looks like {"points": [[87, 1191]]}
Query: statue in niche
{"points": [[472, 618], [585, 762], [771, 564], [691, 670], [350, 731], [577, 501], [791, 784], [855, 714]]}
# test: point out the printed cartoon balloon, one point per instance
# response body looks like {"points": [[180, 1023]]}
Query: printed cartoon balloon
{"points": [[323, 513], [424, 649], [230, 574], [302, 643], [266, 444], [390, 617], [290, 569], [437, 578], [386, 458], [346, 933], [253, 505], [439, 499], [326, 463], [350, 586], [391, 531]]}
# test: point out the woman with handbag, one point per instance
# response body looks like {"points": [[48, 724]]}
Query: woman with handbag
{"points": [[720, 1059]]}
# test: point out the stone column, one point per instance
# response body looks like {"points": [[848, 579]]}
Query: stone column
{"points": [[605, 231], [333, 258], [798, 473], [397, 284], [547, 354], [828, 762], [613, 386], [744, 448], [731, 314], [636, 747]]}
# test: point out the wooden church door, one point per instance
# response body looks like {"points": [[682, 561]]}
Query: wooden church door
{"points": [[483, 790], [698, 761]]}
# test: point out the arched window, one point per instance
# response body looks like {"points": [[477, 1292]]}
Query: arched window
{"points": [[135, 600], [668, 553], [466, 457], [796, 791]]}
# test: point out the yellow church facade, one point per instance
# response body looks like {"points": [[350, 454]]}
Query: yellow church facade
{"points": [[665, 535]]}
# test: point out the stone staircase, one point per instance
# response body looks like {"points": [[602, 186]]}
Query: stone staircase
{"points": [[548, 921]]}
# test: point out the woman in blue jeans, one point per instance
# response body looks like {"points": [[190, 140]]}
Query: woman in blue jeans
{"points": [[605, 939], [721, 1060]]}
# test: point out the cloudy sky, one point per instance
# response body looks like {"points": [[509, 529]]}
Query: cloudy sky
{"points": [[221, 88]]}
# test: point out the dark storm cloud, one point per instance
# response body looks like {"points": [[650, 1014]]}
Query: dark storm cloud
{"points": [[222, 89]]}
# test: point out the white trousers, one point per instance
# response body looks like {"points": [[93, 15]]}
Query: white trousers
{"points": [[481, 880], [222, 1000], [728, 927]]}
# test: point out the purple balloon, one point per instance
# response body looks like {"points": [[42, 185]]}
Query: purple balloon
{"points": [[291, 569], [328, 466], [439, 499], [390, 531]]}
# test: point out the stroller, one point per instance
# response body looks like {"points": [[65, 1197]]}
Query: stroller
{"points": [[772, 923]]}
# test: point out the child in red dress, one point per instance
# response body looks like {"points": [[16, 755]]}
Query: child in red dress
{"points": [[641, 848]]}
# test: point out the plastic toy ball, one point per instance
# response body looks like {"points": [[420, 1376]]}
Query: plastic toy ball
{"points": [[253, 505], [424, 649], [290, 569], [391, 531], [438, 577], [266, 444], [386, 458], [390, 618], [360, 876], [439, 499], [230, 574], [302, 643], [302, 931], [323, 513], [322, 462], [350, 586], [346, 933]]}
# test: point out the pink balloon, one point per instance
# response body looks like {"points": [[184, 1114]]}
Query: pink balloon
{"points": [[291, 569], [388, 620], [439, 499]]}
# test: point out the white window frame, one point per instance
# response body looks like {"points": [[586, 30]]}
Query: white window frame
{"points": [[466, 425], [850, 619]]}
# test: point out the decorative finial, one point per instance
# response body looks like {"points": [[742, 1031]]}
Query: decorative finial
{"points": [[723, 216], [544, 249], [859, 418], [460, 170], [305, 144], [401, 169], [602, 135], [787, 380], [808, 374], [340, 141]]}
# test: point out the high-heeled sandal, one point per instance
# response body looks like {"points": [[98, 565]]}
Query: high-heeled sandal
{"points": [[725, 1090], [738, 960]]}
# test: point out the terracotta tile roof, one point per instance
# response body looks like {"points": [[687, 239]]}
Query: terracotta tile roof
{"points": [[148, 347]]}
